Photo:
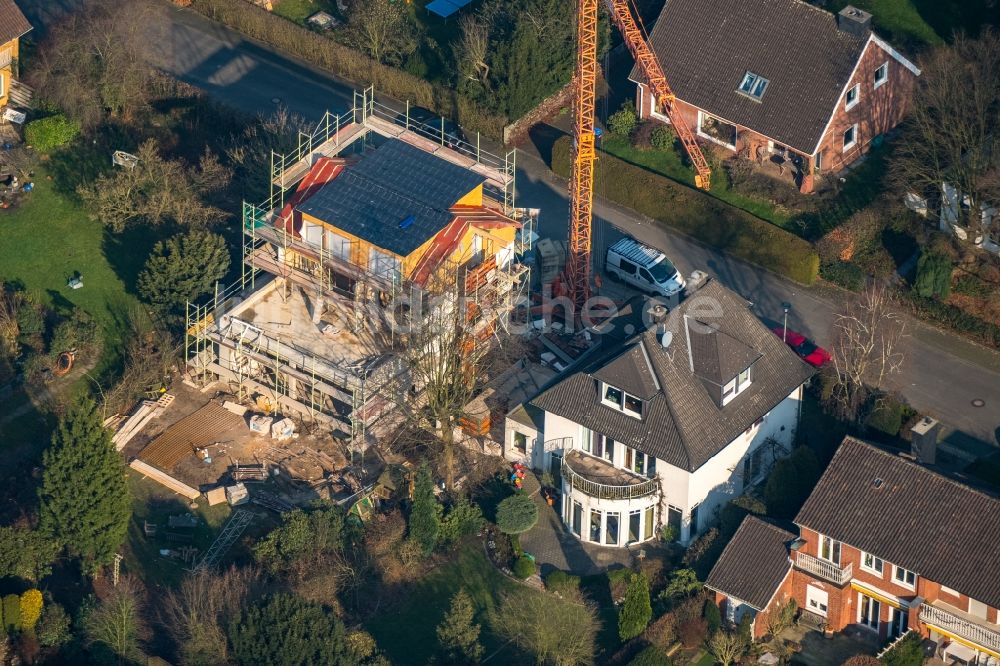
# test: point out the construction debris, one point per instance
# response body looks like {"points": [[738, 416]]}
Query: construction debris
{"points": [[270, 501], [216, 496], [235, 408], [237, 494], [261, 424], [192, 433], [283, 429], [165, 479], [143, 414]]}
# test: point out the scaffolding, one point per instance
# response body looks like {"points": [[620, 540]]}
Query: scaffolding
{"points": [[220, 344]]}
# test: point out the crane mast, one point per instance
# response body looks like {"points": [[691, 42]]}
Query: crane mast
{"points": [[578, 265]]}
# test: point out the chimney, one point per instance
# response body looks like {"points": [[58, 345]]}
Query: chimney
{"points": [[657, 313], [923, 440], [854, 21], [696, 281]]}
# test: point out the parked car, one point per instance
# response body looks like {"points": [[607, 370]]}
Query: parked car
{"points": [[427, 124], [643, 267], [808, 350]]}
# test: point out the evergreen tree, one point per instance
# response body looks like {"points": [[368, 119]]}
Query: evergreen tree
{"points": [[284, 629], [636, 610], [84, 501], [181, 269], [425, 516], [933, 275], [712, 615], [458, 635]]}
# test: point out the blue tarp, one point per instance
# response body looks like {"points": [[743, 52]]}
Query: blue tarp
{"points": [[443, 8]]}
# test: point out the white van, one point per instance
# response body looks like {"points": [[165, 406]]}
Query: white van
{"points": [[644, 268]]}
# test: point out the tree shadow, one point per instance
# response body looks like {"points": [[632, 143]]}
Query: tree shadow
{"points": [[87, 158], [128, 250], [543, 136]]}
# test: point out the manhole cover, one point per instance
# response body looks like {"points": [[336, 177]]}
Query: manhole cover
{"points": [[978, 402], [275, 100]]}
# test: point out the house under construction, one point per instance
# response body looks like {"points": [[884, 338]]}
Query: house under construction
{"points": [[367, 220]]}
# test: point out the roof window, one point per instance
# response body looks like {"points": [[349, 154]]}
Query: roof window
{"points": [[753, 85], [622, 401]]}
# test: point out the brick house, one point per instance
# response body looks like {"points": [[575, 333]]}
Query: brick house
{"points": [[780, 80], [888, 545]]}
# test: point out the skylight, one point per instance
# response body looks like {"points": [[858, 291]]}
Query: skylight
{"points": [[753, 85]]}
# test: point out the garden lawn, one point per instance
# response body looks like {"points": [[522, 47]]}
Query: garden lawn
{"points": [[47, 238], [668, 163], [300, 10], [407, 631]]}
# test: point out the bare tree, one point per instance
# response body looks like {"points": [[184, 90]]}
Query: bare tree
{"points": [[866, 348], [953, 134], [472, 47], [381, 29], [197, 613], [727, 647], [117, 621], [92, 62], [555, 630]]}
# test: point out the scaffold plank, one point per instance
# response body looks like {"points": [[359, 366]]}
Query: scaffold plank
{"points": [[165, 479]]}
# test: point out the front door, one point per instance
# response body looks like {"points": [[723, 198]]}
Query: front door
{"points": [[898, 622], [817, 600]]}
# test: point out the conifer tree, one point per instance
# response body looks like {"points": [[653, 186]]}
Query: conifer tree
{"points": [[458, 635], [425, 516], [84, 500]]}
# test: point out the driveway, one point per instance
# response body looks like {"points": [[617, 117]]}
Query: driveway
{"points": [[943, 376]]}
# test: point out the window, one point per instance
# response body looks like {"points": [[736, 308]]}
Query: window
{"points": [[819, 161], [595, 526], [640, 463], [743, 380], [753, 85], [633, 405], [694, 520], [868, 611], [852, 96], [753, 466], [733, 388], [588, 439], [829, 550], [613, 396], [850, 137], [611, 528], [577, 518], [604, 447], [634, 526], [521, 442], [716, 130], [338, 246], [644, 274], [627, 266], [674, 520], [904, 577], [648, 531], [882, 74], [384, 265], [872, 563]]}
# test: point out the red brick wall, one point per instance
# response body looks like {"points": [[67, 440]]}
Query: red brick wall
{"points": [[877, 111]]}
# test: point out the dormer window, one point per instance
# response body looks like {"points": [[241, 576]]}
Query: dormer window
{"points": [[735, 386], [753, 85], [622, 401]]}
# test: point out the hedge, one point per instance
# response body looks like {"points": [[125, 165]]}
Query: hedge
{"points": [[349, 63], [47, 134], [954, 318], [706, 219]]}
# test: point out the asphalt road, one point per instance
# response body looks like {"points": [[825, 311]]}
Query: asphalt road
{"points": [[942, 376]]}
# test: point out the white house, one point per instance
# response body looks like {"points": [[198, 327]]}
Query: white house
{"points": [[663, 427]]}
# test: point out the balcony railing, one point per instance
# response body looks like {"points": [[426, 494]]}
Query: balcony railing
{"points": [[604, 491], [825, 570], [963, 627]]}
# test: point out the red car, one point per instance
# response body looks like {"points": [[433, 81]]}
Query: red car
{"points": [[808, 350]]}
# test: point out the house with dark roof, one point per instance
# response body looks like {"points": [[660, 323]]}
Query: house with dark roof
{"points": [[886, 545], [779, 80], [660, 428], [13, 26], [753, 574]]}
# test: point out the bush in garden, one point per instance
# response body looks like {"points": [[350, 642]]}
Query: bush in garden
{"points": [[636, 610], [887, 417], [712, 615], [651, 656], [524, 567], [54, 629], [12, 613], [662, 631], [462, 520], [623, 121], [47, 134], [662, 138], [31, 608], [692, 631], [907, 652], [933, 275], [516, 514], [562, 582]]}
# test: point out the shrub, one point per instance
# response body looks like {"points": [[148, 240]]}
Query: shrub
{"points": [[47, 134], [887, 417], [974, 286], [623, 121], [12, 613], [862, 660], [651, 656], [425, 514], [699, 215], [683, 583], [662, 138], [463, 520], [662, 632], [692, 631], [907, 652], [844, 274], [54, 629], [790, 482], [31, 608], [636, 611], [669, 533], [712, 615], [955, 318], [562, 582], [524, 567], [516, 514], [933, 275]]}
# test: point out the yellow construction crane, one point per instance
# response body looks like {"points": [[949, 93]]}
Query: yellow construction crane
{"points": [[584, 153]]}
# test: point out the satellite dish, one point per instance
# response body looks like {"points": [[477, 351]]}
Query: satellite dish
{"points": [[667, 338]]}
